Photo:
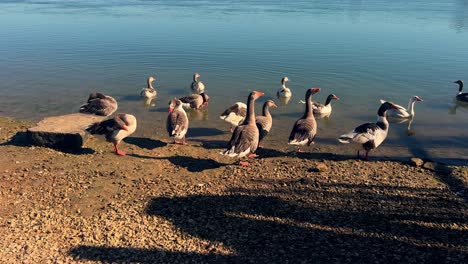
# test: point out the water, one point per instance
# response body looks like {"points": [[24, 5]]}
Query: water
{"points": [[54, 53]]}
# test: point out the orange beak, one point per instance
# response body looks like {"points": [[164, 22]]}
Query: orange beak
{"points": [[170, 110], [315, 90], [259, 93], [125, 128], [336, 98], [274, 105]]}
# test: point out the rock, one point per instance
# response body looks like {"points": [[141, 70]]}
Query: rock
{"points": [[416, 162], [437, 167], [62, 132], [319, 167]]}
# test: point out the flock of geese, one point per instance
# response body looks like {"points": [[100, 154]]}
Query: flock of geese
{"points": [[247, 130]]}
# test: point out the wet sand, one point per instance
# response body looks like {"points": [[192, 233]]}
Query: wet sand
{"points": [[167, 203]]}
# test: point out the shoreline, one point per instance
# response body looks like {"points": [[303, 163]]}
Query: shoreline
{"points": [[169, 203]]}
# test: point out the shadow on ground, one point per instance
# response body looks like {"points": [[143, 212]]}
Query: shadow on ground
{"points": [[145, 143], [318, 222]]}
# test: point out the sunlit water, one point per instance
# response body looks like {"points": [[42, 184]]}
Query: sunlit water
{"points": [[54, 53]]}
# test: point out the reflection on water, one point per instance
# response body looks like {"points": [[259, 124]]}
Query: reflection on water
{"points": [[460, 15]]}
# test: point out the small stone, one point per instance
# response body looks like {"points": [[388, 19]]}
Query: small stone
{"points": [[416, 162], [319, 167], [429, 165]]}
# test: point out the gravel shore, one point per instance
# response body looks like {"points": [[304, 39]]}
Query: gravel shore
{"points": [[167, 203]]}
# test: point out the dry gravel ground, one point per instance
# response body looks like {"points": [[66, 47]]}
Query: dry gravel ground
{"points": [[188, 204]]}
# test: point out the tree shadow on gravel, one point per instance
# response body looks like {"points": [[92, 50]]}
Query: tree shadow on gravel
{"points": [[21, 139], [145, 143], [317, 223]]}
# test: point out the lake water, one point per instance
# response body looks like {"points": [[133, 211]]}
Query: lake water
{"points": [[54, 53]]}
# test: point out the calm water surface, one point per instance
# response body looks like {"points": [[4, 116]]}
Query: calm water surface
{"points": [[54, 53]]}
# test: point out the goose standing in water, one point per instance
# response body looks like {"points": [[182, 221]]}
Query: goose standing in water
{"points": [[284, 92], [235, 114], [370, 135], [265, 121], [149, 92], [177, 122], [115, 129], [99, 104], [401, 112], [244, 140], [305, 128], [195, 101], [320, 109], [197, 86], [461, 97]]}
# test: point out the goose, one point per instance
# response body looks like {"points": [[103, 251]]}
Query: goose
{"points": [[370, 135], [401, 112], [177, 122], [320, 109], [461, 97], [197, 86], [305, 128], [265, 121], [149, 92], [115, 129], [235, 114], [284, 92], [195, 101], [244, 140], [99, 104]]}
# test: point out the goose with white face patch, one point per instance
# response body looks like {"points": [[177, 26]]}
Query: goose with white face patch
{"points": [[244, 140], [177, 123], [115, 129], [369, 136], [401, 112], [305, 128]]}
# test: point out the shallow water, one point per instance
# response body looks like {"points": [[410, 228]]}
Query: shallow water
{"points": [[54, 53]]}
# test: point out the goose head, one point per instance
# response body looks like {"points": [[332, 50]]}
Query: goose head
{"points": [[270, 103], [196, 76], [174, 104], [333, 97], [255, 95], [312, 91], [284, 80], [384, 107], [416, 99], [460, 85]]}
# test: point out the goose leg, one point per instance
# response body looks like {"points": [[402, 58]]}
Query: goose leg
{"points": [[298, 150], [252, 155], [118, 151], [243, 163]]}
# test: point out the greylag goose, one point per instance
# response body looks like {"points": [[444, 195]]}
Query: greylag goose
{"points": [[320, 109], [99, 104], [461, 97], [115, 129], [197, 86], [235, 114], [370, 135], [195, 101], [284, 92], [264, 122], [401, 112], [244, 140], [305, 128], [177, 122], [149, 92]]}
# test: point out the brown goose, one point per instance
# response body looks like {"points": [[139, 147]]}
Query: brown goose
{"points": [[115, 129], [195, 101], [305, 128], [99, 104], [235, 114], [197, 86], [264, 122], [244, 140], [149, 92], [177, 122]]}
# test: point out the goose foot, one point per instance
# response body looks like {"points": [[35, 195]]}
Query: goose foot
{"points": [[118, 151], [252, 156], [244, 163], [298, 150]]}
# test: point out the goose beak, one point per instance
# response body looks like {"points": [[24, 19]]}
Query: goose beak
{"points": [[336, 98], [274, 105], [259, 93], [419, 99], [170, 110], [125, 128], [315, 90]]}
